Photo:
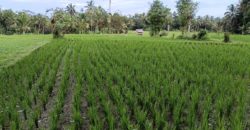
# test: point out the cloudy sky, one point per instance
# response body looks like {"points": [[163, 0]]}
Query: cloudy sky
{"points": [[126, 7]]}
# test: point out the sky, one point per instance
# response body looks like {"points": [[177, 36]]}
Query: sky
{"points": [[126, 7]]}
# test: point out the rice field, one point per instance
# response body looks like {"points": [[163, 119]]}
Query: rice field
{"points": [[14, 48], [125, 82]]}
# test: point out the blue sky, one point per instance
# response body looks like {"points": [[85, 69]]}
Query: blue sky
{"points": [[210, 7]]}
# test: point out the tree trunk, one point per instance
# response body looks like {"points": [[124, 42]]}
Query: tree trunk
{"points": [[39, 28], [243, 28], [168, 27], [189, 27], [43, 29]]}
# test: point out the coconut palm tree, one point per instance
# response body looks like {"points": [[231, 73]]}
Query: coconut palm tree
{"points": [[71, 9], [231, 16], [110, 16], [91, 10], [231, 11], [23, 21]]}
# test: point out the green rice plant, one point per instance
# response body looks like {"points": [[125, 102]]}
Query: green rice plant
{"points": [[177, 112], [35, 118], [140, 116], [77, 120], [148, 125], [160, 120], [131, 83], [13, 125], [54, 121], [95, 122]]}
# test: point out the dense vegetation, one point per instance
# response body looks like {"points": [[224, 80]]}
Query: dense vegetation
{"points": [[115, 82], [95, 19]]}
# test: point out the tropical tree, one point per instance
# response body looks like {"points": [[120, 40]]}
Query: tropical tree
{"points": [[59, 23], [244, 8], [71, 9], [176, 21], [23, 20], [102, 19], [186, 11], [231, 18], [168, 20], [109, 17], [8, 21], [157, 16], [139, 21], [39, 24], [90, 13], [118, 23]]}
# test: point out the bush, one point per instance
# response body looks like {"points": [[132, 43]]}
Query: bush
{"points": [[226, 37], [194, 36], [173, 36], [163, 33], [57, 34], [202, 35], [9, 33]]}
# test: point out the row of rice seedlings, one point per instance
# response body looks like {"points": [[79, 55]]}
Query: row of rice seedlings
{"points": [[113, 92], [93, 99], [78, 90], [26, 79], [45, 86], [33, 116], [93, 112], [54, 115], [48, 82]]}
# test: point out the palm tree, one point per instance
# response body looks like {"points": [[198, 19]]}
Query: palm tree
{"points": [[23, 21], [39, 22], [71, 9], [231, 11], [91, 8], [244, 8], [230, 15], [110, 16]]}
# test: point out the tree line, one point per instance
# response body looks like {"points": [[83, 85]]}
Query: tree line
{"points": [[95, 19]]}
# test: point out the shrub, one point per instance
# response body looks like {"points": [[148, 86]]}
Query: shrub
{"points": [[57, 34], [173, 36], [163, 33], [202, 35], [226, 37], [194, 36], [9, 33]]}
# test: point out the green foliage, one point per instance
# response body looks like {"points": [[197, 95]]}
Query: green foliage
{"points": [[194, 36], [226, 37], [186, 11], [202, 35], [237, 18], [157, 15]]}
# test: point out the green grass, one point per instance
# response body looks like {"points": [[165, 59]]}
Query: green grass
{"points": [[14, 48], [128, 82]]}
